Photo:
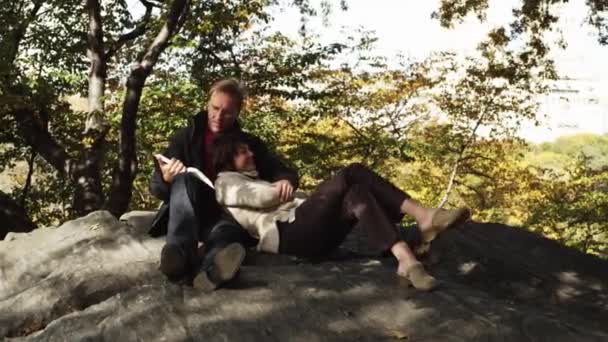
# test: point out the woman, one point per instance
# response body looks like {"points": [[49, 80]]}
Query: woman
{"points": [[292, 224]]}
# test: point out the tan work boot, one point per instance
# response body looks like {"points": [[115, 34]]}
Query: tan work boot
{"points": [[419, 278], [443, 219]]}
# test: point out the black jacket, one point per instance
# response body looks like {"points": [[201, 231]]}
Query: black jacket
{"points": [[187, 146]]}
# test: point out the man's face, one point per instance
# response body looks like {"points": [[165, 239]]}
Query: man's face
{"points": [[223, 112]]}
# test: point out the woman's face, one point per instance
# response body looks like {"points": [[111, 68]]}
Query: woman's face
{"points": [[243, 159]]}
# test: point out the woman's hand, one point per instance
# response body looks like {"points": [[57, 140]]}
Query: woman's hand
{"points": [[285, 189]]}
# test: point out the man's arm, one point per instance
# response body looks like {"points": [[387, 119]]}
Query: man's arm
{"points": [[158, 187], [270, 167]]}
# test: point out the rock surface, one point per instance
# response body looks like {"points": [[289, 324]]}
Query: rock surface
{"points": [[97, 279]]}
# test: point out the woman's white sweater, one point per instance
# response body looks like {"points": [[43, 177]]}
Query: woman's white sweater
{"points": [[256, 206]]}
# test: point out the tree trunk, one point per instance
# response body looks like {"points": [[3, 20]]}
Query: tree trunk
{"points": [[13, 217], [124, 172], [89, 191], [97, 72]]}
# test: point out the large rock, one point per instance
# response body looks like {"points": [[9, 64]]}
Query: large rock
{"points": [[96, 278]]}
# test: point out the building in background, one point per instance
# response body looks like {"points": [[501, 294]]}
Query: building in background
{"points": [[575, 104]]}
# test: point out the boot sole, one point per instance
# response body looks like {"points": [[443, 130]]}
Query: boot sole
{"points": [[226, 264], [404, 281], [172, 262]]}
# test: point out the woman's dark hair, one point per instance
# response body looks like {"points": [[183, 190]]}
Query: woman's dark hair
{"points": [[225, 147]]}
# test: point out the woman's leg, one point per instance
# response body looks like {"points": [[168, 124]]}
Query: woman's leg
{"points": [[322, 223], [387, 194], [431, 221], [361, 204], [318, 227], [316, 231]]}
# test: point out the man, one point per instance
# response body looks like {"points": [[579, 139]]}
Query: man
{"points": [[190, 213]]}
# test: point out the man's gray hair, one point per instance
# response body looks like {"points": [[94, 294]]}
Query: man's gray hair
{"points": [[231, 87]]}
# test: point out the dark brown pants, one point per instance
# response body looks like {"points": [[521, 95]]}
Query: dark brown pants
{"points": [[354, 195]]}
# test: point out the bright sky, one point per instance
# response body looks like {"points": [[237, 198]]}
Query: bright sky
{"points": [[405, 26]]}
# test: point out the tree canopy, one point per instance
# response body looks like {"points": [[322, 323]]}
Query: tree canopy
{"points": [[90, 90]]}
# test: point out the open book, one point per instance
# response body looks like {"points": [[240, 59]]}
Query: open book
{"points": [[198, 173]]}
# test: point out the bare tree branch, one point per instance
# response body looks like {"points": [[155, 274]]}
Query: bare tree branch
{"points": [[450, 185], [350, 124], [459, 158], [477, 173], [472, 156], [477, 192], [140, 29], [37, 136], [28, 180]]}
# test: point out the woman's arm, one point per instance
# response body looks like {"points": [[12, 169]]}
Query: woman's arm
{"points": [[270, 166], [236, 190]]}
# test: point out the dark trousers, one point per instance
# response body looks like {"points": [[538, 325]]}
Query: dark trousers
{"points": [[354, 195], [195, 215]]}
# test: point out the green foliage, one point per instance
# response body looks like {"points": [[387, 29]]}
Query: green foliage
{"points": [[43, 60], [575, 208], [557, 154], [320, 106], [166, 106], [455, 11]]}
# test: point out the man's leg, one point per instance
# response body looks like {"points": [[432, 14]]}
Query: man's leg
{"points": [[192, 208], [223, 256]]}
